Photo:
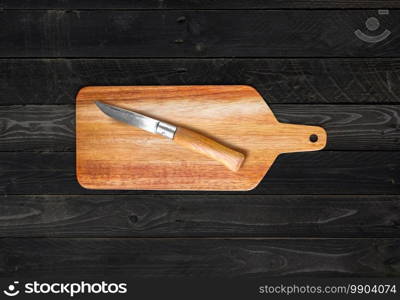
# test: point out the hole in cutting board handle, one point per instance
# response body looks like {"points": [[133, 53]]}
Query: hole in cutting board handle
{"points": [[313, 138]]}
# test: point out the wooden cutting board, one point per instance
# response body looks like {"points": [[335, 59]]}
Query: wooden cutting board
{"points": [[113, 155]]}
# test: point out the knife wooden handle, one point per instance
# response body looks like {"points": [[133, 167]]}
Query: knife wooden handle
{"points": [[194, 141]]}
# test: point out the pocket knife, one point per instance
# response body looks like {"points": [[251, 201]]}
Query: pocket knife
{"points": [[190, 139]]}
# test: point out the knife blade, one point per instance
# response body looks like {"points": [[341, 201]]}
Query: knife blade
{"points": [[137, 120], [190, 139]]}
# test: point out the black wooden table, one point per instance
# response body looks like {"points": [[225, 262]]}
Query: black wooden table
{"points": [[330, 213]]}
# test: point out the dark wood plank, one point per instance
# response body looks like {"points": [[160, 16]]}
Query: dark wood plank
{"points": [[193, 4], [349, 127], [57, 81], [37, 128], [139, 258], [201, 33], [325, 172], [199, 216]]}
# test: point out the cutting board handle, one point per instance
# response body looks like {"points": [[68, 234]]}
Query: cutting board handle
{"points": [[232, 159]]}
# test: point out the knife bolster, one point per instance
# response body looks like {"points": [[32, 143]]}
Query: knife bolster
{"points": [[166, 130], [194, 141]]}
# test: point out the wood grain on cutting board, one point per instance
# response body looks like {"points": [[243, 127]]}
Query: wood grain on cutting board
{"points": [[114, 155]]}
